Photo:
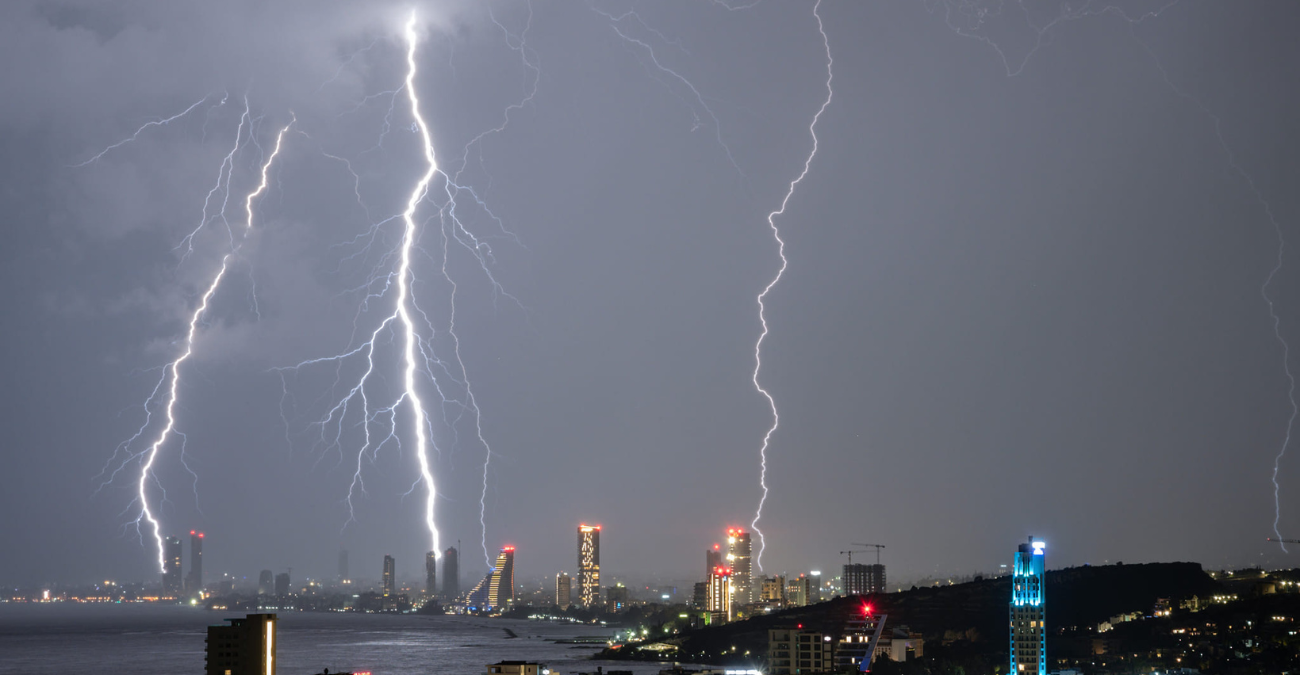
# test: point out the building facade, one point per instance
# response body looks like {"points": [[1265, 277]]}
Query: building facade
{"points": [[773, 591], [714, 558], [720, 600], [1028, 610], [793, 651], [563, 590], [194, 582], [343, 565], [451, 574], [741, 564], [245, 647], [616, 598], [501, 582], [171, 581], [589, 565], [863, 579], [390, 576]]}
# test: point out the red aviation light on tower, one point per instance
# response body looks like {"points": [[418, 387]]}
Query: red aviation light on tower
{"points": [[866, 609], [200, 535], [722, 571], [583, 527], [507, 548], [191, 533], [717, 547]]}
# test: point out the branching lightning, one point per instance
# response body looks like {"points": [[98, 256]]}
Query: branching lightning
{"points": [[171, 372], [762, 307]]}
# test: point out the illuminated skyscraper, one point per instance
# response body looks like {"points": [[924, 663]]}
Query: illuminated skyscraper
{"points": [[245, 647], [390, 576], [1028, 610], [589, 565], [563, 590], [431, 573], [343, 564], [738, 559], [194, 582], [863, 579], [451, 574], [720, 593], [172, 567], [501, 584]]}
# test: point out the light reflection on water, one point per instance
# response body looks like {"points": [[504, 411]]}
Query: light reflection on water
{"points": [[37, 639]]}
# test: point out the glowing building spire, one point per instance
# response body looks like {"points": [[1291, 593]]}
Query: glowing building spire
{"points": [[762, 308]]}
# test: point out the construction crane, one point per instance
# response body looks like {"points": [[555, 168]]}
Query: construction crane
{"points": [[1280, 541], [850, 554], [875, 546]]}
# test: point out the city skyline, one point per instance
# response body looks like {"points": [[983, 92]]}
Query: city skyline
{"points": [[1021, 258]]}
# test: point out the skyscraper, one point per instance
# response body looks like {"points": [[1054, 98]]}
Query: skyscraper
{"points": [[720, 593], [814, 588], [282, 583], [863, 579], [343, 564], [713, 558], [431, 573], [738, 559], [501, 586], [390, 576], [1028, 610], [172, 567], [498, 587], [451, 574], [245, 647], [265, 583], [194, 582], [563, 590], [589, 564]]}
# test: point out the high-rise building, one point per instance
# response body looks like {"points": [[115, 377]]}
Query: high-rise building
{"points": [[501, 588], [589, 565], [616, 598], [773, 590], [713, 558], [431, 573], [863, 579], [390, 576], [700, 595], [343, 564], [265, 583], [814, 588], [738, 559], [194, 582], [720, 593], [451, 574], [245, 647], [171, 580], [1028, 610], [282, 583], [796, 592], [563, 590]]}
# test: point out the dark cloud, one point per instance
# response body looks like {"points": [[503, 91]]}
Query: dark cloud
{"points": [[1015, 304]]}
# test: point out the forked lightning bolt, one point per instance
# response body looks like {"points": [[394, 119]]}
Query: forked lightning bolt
{"points": [[404, 278], [172, 371], [762, 307]]}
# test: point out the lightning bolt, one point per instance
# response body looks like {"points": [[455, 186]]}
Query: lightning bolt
{"points": [[172, 370], [762, 306], [404, 277], [144, 127]]}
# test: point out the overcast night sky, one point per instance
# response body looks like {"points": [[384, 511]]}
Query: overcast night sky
{"points": [[1023, 294]]}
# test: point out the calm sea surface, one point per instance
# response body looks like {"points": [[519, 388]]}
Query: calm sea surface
{"points": [[149, 640]]}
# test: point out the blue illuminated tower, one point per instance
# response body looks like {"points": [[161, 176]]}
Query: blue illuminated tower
{"points": [[1028, 611]]}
